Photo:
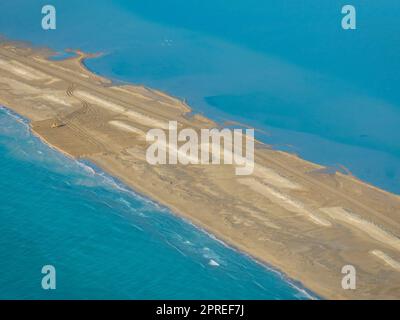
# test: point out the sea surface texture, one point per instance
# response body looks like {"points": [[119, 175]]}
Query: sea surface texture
{"points": [[286, 67], [105, 241]]}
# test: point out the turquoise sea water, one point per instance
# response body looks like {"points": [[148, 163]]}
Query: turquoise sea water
{"points": [[286, 67], [105, 241]]}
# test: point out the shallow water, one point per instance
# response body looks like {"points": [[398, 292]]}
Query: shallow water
{"points": [[283, 66], [287, 67], [104, 240]]}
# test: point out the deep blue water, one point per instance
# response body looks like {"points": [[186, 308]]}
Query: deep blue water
{"points": [[105, 241], [286, 67]]}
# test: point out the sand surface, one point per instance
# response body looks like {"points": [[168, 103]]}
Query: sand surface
{"points": [[288, 213]]}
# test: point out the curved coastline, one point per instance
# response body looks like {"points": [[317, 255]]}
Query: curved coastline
{"points": [[100, 162], [93, 168]]}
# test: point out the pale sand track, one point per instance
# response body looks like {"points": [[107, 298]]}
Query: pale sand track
{"points": [[135, 116], [275, 215], [283, 200], [386, 259], [21, 70], [127, 127], [272, 177], [56, 99], [368, 227]]}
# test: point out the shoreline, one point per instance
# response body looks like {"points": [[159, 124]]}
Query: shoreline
{"points": [[80, 57], [220, 122], [203, 229], [256, 215], [218, 237]]}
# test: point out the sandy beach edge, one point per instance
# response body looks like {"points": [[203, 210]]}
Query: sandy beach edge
{"points": [[214, 234], [288, 272]]}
